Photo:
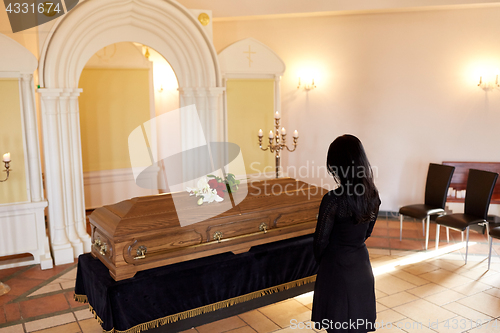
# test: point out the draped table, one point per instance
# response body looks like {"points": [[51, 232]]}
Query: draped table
{"points": [[172, 294]]}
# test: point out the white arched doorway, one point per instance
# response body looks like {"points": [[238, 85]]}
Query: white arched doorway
{"points": [[167, 27]]}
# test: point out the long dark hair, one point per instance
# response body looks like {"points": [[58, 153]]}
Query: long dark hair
{"points": [[348, 164]]}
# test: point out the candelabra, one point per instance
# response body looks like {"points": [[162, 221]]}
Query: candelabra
{"points": [[279, 142], [6, 161], [4, 289]]}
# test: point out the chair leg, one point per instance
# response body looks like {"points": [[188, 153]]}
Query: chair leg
{"points": [[489, 254], [448, 234], [423, 227], [437, 235], [462, 236], [488, 230], [427, 232], [467, 245], [400, 227]]}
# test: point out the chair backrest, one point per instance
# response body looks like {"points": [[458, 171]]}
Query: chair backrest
{"points": [[480, 186], [437, 184]]}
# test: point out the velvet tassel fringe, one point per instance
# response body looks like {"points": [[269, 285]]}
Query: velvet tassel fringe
{"points": [[203, 309]]}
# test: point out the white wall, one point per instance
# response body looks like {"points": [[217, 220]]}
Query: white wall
{"points": [[404, 83]]}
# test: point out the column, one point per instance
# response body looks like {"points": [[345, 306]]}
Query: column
{"points": [[77, 171], [61, 246], [31, 132], [66, 158]]}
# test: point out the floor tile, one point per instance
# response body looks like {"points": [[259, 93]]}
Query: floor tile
{"points": [[454, 325], [406, 244], [6, 273], [444, 297], [46, 289], [92, 326], [379, 293], [424, 311], [305, 299], [258, 321], [37, 273], [294, 330], [493, 292], [40, 324], [384, 252], [420, 268], [191, 330], [493, 280], [83, 314], [411, 326], [467, 312], [397, 299], [12, 329], [12, 312], [70, 297], [416, 280], [67, 328], [286, 312], [389, 316], [483, 303], [446, 278], [244, 329], [391, 285], [222, 325], [492, 326], [43, 305], [21, 285], [472, 288], [381, 307], [427, 290]]}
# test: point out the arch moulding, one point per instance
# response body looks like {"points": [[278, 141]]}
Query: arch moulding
{"points": [[165, 26]]}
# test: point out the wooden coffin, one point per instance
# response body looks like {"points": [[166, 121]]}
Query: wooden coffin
{"points": [[145, 232]]}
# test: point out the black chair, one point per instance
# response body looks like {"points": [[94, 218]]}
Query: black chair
{"points": [[493, 233], [436, 191], [480, 186]]}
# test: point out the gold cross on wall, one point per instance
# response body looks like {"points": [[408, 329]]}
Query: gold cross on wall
{"points": [[249, 56]]}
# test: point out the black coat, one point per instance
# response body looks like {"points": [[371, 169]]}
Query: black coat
{"points": [[344, 294]]}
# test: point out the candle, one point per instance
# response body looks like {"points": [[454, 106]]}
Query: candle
{"points": [[283, 131], [271, 135], [277, 115], [296, 134], [6, 157], [260, 133]]}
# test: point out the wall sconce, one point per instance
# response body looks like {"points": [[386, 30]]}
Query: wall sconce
{"points": [[488, 85], [6, 161], [307, 83]]}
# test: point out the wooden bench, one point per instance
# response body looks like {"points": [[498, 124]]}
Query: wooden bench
{"points": [[459, 180]]}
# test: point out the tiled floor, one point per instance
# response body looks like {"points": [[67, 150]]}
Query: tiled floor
{"points": [[417, 291]]}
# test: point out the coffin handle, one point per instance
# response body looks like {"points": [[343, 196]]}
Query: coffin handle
{"points": [[263, 227], [141, 252], [218, 236], [100, 246]]}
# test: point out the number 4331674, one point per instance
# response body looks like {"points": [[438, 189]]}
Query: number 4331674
{"points": [[47, 8]]}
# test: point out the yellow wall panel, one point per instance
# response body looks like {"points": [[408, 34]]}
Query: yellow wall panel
{"points": [[250, 107], [11, 140], [113, 103]]}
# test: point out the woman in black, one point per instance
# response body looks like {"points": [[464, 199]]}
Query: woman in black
{"points": [[344, 294]]}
